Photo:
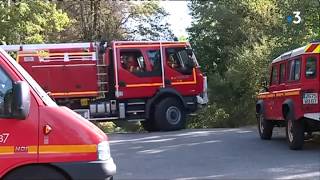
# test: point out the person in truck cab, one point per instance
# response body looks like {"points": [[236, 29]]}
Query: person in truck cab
{"points": [[173, 63], [132, 64]]}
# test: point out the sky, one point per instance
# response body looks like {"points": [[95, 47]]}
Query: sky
{"points": [[179, 17]]}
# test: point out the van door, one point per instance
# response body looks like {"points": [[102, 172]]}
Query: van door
{"points": [[18, 138]]}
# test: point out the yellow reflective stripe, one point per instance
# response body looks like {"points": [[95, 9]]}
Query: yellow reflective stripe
{"points": [[18, 58], [32, 149], [317, 50], [143, 85], [287, 90], [6, 150], [75, 93], [290, 92], [307, 47], [51, 149]]}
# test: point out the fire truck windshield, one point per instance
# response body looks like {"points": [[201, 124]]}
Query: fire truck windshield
{"points": [[35, 86]]}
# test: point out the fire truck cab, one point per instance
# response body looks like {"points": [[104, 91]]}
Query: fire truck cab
{"points": [[158, 83], [39, 139], [292, 97]]}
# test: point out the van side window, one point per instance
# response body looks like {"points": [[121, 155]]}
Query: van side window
{"points": [[295, 69], [311, 68], [5, 94], [282, 72], [274, 75]]}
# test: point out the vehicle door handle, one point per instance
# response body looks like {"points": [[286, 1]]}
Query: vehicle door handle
{"points": [[122, 84], [167, 82]]}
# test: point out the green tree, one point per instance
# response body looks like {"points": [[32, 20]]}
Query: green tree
{"points": [[30, 21], [114, 20]]}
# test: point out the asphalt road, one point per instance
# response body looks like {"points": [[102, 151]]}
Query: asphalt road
{"points": [[212, 154]]}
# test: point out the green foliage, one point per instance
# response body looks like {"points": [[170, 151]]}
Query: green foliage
{"points": [[235, 41], [29, 21], [119, 127], [218, 118]]}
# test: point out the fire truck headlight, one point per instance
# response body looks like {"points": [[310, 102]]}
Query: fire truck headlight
{"points": [[103, 151]]}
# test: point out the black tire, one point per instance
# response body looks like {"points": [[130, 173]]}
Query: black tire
{"points": [[36, 172], [265, 127], [170, 115], [295, 133], [149, 125]]}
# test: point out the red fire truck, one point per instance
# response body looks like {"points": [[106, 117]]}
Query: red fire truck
{"points": [[40, 140], [157, 83], [292, 98]]}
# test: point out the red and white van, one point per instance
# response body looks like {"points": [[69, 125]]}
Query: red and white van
{"points": [[292, 98], [40, 140]]}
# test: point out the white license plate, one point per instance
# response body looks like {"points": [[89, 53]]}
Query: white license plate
{"points": [[310, 98]]}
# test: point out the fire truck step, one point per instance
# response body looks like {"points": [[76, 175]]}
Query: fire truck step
{"points": [[135, 111], [104, 119], [135, 120], [100, 82], [135, 103], [103, 91]]}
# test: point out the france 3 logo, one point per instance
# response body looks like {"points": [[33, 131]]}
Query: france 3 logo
{"points": [[295, 18]]}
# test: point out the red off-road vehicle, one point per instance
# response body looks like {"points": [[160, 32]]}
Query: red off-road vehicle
{"points": [[292, 98]]}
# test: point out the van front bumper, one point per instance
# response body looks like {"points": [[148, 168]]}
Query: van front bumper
{"points": [[88, 170]]}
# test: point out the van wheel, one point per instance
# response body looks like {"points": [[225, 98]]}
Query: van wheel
{"points": [[170, 115], [35, 172], [265, 127], [295, 134]]}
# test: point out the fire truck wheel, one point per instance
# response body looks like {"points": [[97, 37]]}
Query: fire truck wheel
{"points": [[295, 134], [42, 172], [170, 115], [149, 125], [265, 127]]}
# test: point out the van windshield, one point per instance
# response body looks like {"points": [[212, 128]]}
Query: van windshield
{"points": [[33, 84]]}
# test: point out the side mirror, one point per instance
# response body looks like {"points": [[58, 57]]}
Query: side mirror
{"points": [[189, 51], [20, 100], [264, 85]]}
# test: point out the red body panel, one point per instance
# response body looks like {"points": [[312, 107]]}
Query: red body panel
{"points": [[64, 79], [76, 131]]}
